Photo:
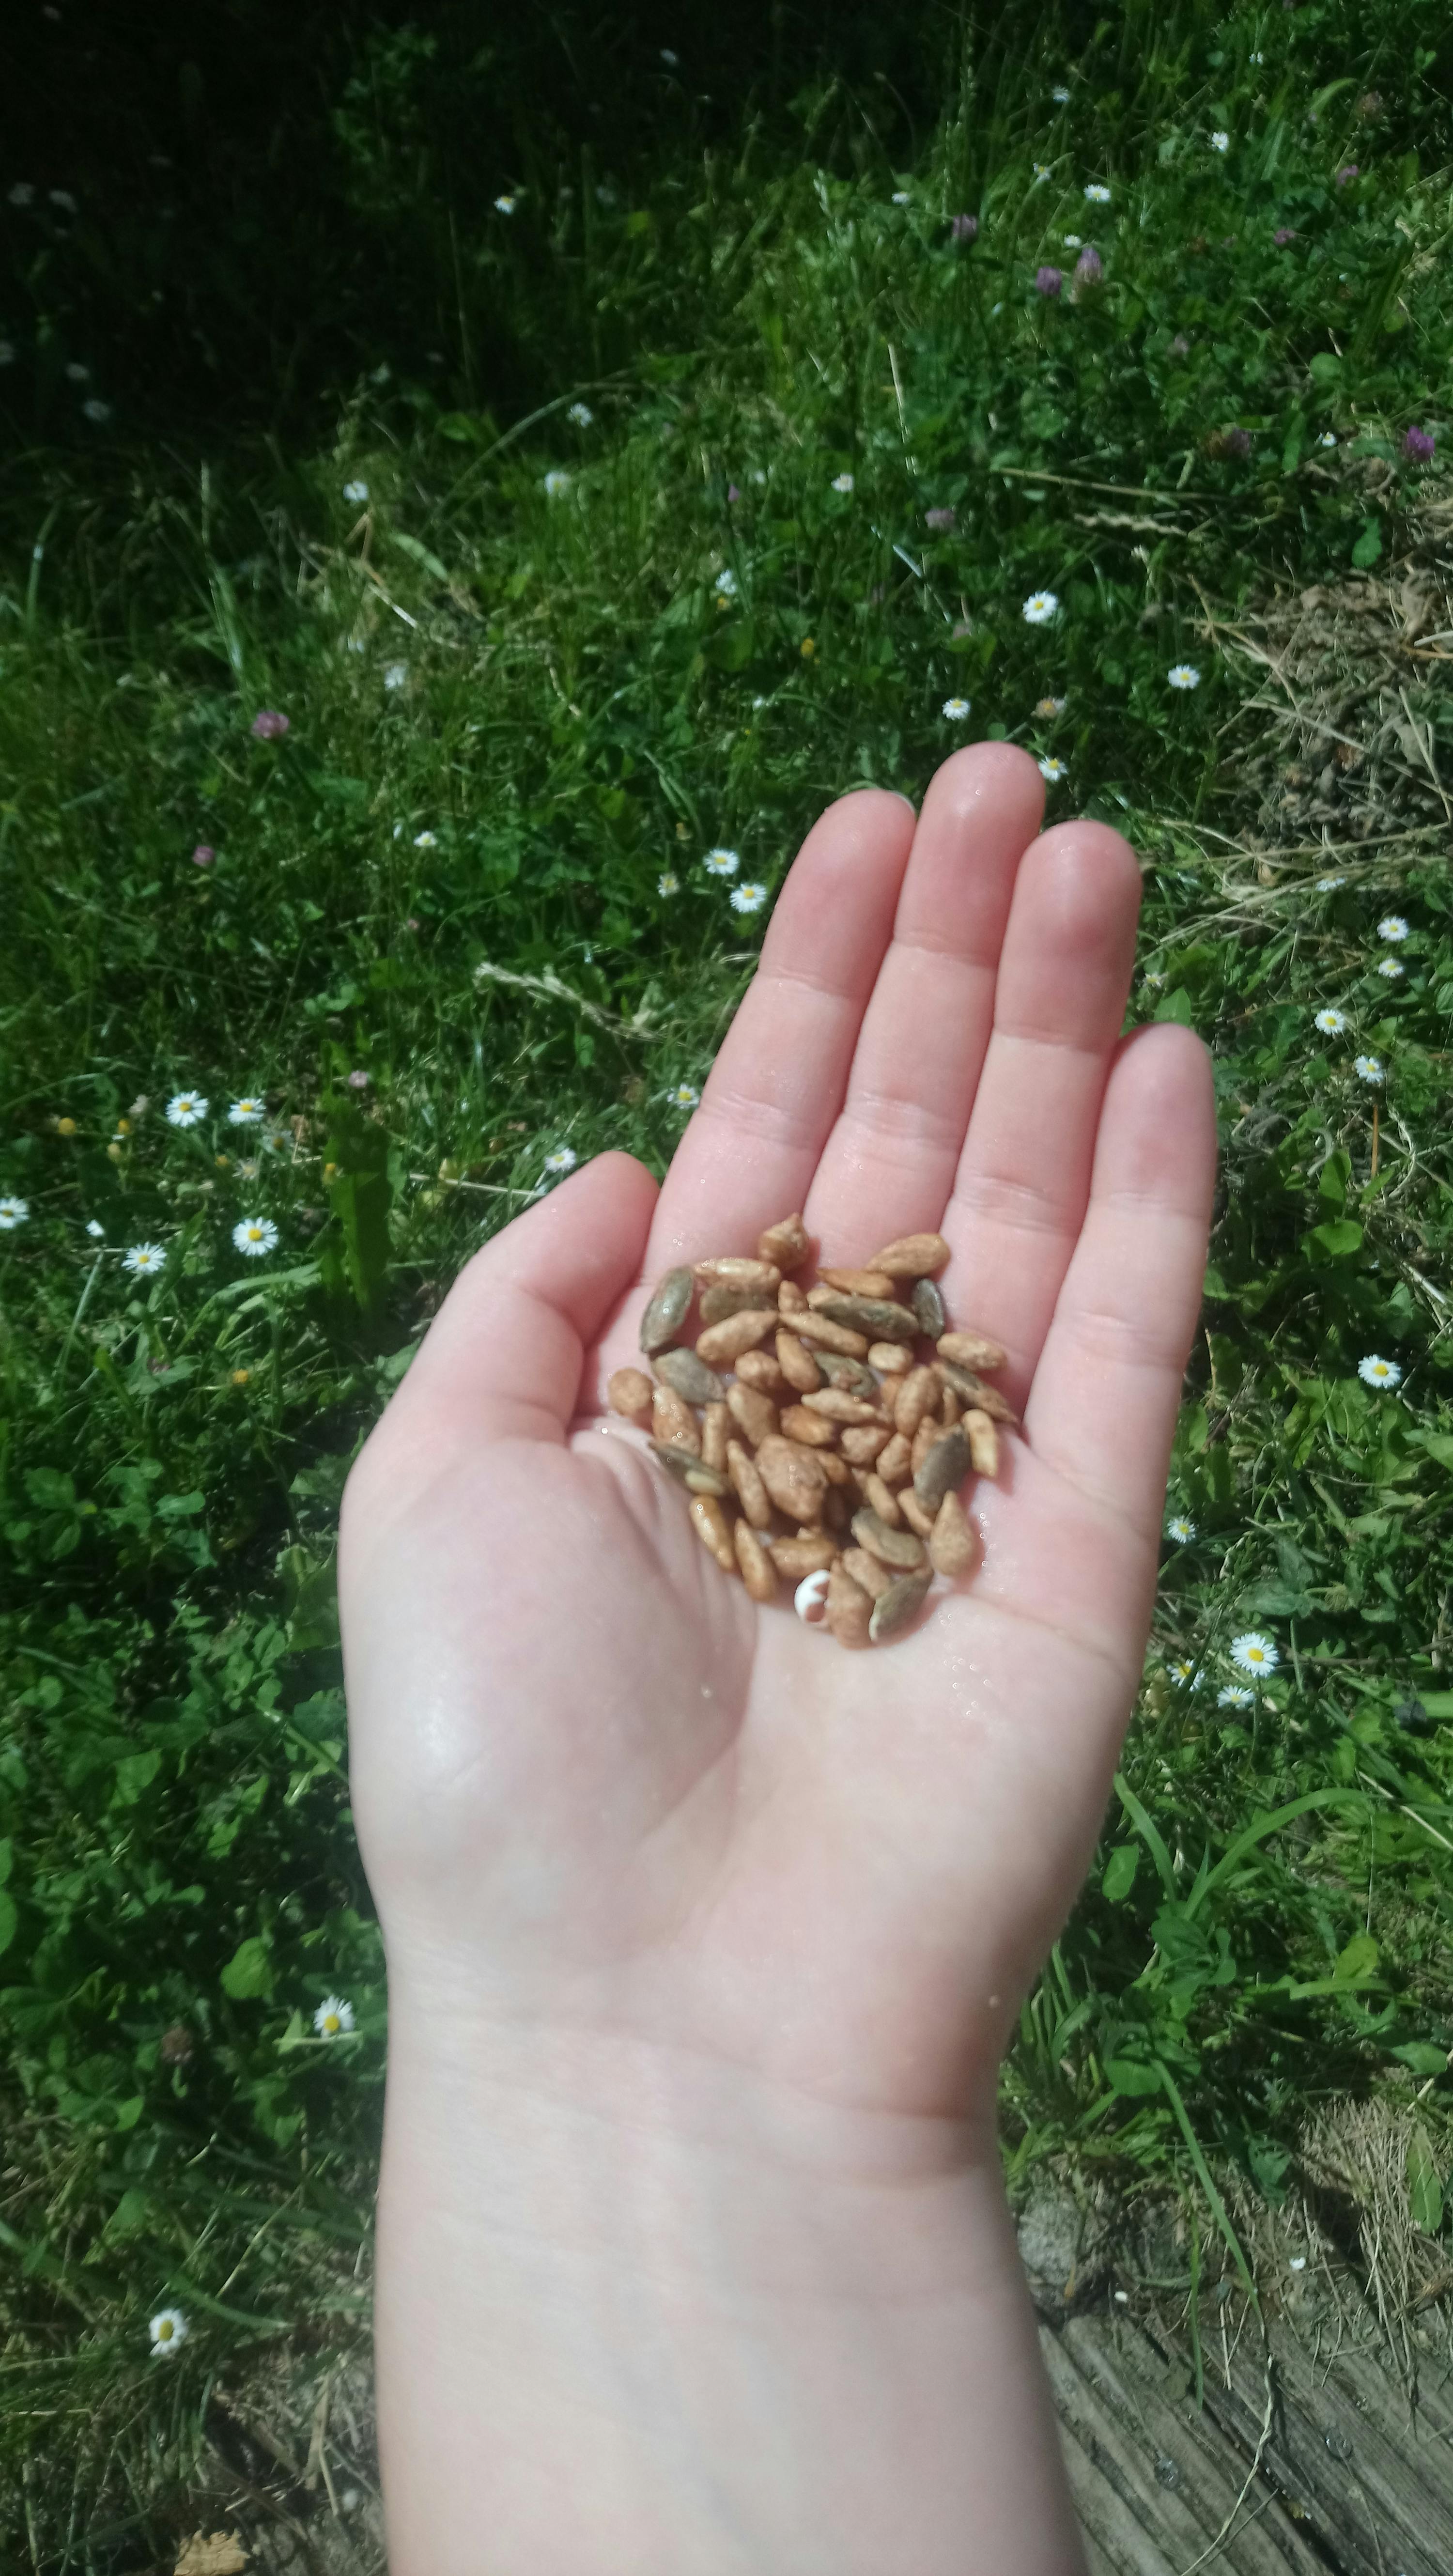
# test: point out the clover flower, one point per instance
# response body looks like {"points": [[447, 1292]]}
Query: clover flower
{"points": [[1347, 174], [939, 519], [333, 2016], [1040, 607], [269, 724], [186, 1109], [255, 1236], [748, 898], [1378, 1372], [956, 709], [168, 2329], [1048, 281], [1331, 1022], [964, 228], [1089, 267], [1254, 1654], [1183, 675], [203, 855], [1418, 445], [1284, 233]]}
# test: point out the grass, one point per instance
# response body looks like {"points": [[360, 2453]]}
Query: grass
{"points": [[471, 871]]}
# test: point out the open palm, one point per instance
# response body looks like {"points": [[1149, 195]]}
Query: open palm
{"points": [[601, 1792]]}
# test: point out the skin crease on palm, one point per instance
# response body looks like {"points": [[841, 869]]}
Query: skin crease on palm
{"points": [[611, 1809]]}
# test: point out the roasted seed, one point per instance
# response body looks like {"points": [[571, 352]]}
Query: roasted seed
{"points": [[917, 1514], [892, 1546], [849, 1610], [881, 1498], [689, 1375], [835, 1506], [703, 1480], [720, 1301], [758, 1368], [754, 1413], [783, 1245], [629, 1391], [710, 1524], [734, 1270], [949, 1407], [853, 1376], [944, 1468], [862, 1442], [983, 1442], [673, 1421], [972, 1350], [962, 1380], [866, 1571], [894, 1460], [750, 1491], [989, 1400], [790, 1298], [797, 1364], [667, 1311], [859, 1283], [954, 1544], [819, 1330], [878, 1318], [927, 1304], [912, 1256], [794, 1478], [723, 1343], [682, 1463], [836, 1469], [714, 1435], [809, 1428], [929, 1430], [758, 1572], [890, 1359], [894, 1608], [917, 1394], [795, 1557], [836, 1405]]}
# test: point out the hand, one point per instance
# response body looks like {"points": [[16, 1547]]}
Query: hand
{"points": [[681, 1864]]}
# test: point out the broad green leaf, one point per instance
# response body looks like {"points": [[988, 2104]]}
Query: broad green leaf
{"points": [[249, 1970], [1120, 1872], [1425, 2189]]}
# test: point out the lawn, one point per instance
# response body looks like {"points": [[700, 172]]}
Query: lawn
{"points": [[393, 794]]}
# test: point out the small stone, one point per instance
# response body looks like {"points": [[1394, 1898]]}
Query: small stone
{"points": [[667, 1311]]}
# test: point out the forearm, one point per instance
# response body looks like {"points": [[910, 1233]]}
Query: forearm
{"points": [[610, 2345]]}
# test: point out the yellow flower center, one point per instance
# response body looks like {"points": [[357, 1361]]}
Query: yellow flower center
{"points": [[164, 2331], [332, 2024]]}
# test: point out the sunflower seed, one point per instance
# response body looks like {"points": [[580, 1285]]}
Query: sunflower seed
{"points": [[667, 1311], [944, 1468], [689, 1376], [681, 1463], [927, 1304], [890, 1546], [895, 1607], [877, 1317]]}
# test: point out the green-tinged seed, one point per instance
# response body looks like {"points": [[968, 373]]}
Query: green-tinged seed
{"points": [[667, 1311], [685, 1466], [878, 1317], [849, 1375], [896, 1606], [890, 1546], [946, 1465], [928, 1307], [704, 1480], [689, 1376], [962, 1380], [722, 1299]]}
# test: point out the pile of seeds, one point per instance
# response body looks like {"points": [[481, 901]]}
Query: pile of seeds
{"points": [[818, 1445]]}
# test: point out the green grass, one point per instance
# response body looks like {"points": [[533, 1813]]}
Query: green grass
{"points": [[579, 716]]}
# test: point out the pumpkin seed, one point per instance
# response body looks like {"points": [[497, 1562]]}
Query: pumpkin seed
{"points": [[690, 1376], [946, 1465], [878, 1317], [927, 1305], [667, 1311], [896, 1606]]}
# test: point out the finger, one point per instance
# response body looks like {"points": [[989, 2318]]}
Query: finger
{"points": [[503, 1356], [1024, 1176], [889, 1164], [1102, 1408], [749, 1153]]}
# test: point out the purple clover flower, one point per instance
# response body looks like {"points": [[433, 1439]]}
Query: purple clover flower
{"points": [[203, 855], [1089, 267], [1180, 346], [733, 493], [1418, 445], [964, 228], [268, 724], [938, 519], [1346, 176], [1237, 442], [1284, 233], [1048, 281], [358, 1080]]}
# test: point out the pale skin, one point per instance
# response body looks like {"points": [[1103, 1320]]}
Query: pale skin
{"points": [[705, 1936]]}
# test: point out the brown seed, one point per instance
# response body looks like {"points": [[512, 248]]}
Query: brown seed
{"points": [[710, 1524], [734, 1270], [917, 1393], [797, 1364], [894, 1460], [794, 1557], [794, 1479], [673, 1421], [754, 1413], [849, 1610], [758, 1368], [929, 1430], [714, 1435], [836, 1469], [862, 1442], [724, 1343], [667, 1311], [629, 1391], [890, 1359], [954, 1544], [944, 1468], [917, 1514], [877, 1317], [791, 1300], [972, 1350], [896, 1547], [912, 1256], [817, 1329], [894, 1608], [704, 1480], [867, 1573], [880, 1497], [836, 1405], [682, 1463], [983, 1443], [783, 1245], [809, 1428], [758, 1572], [689, 1376], [835, 1508], [928, 1306], [962, 1380], [949, 1407], [750, 1491], [720, 1301], [858, 1283], [989, 1400]]}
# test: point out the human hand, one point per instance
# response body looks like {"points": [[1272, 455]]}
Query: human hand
{"points": [[677, 1861]]}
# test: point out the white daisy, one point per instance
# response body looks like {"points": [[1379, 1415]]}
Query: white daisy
{"points": [[145, 1258], [748, 898], [1233, 1696], [668, 884], [395, 675], [683, 1097], [1040, 607], [1074, 241], [333, 2016], [62, 197], [1152, 979], [1060, 97], [1096, 194], [581, 414], [1330, 1022], [1329, 885], [1041, 169], [22, 194], [1220, 140], [425, 841], [721, 863], [900, 196], [95, 1229], [255, 1236], [1376, 1372], [1053, 770], [167, 2329], [1180, 1529], [1181, 1674], [246, 1112], [556, 482], [842, 482], [1392, 967], [186, 1109], [563, 1159], [505, 205], [355, 491], [726, 585], [1392, 926], [13, 1212], [1254, 1653], [1328, 438], [1183, 675], [956, 709], [96, 410], [1368, 1068]]}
